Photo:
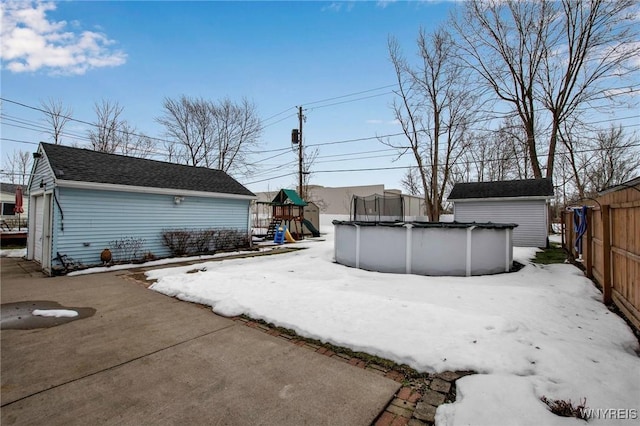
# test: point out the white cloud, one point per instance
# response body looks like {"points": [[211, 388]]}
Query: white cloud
{"points": [[339, 6], [31, 42], [384, 3], [376, 121]]}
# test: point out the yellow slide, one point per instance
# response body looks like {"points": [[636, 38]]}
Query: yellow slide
{"points": [[288, 236]]}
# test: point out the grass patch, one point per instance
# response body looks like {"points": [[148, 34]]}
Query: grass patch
{"points": [[554, 254]]}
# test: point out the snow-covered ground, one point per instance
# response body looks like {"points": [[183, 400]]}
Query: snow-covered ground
{"points": [[541, 331], [13, 252]]}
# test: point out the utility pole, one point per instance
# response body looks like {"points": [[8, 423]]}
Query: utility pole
{"points": [[300, 156], [296, 138]]}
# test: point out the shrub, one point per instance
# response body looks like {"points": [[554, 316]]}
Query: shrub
{"points": [[203, 241], [177, 240], [566, 408], [126, 248]]}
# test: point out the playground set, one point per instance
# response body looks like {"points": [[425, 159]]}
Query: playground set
{"points": [[287, 218]]}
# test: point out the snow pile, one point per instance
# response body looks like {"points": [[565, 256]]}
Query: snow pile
{"points": [[22, 252], [539, 331], [58, 313]]}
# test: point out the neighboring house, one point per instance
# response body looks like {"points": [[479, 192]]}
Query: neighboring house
{"points": [[524, 202], [8, 202], [82, 200]]}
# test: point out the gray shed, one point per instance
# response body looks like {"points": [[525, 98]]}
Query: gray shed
{"points": [[524, 202]]}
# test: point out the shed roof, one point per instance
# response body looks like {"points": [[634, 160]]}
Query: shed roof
{"points": [[83, 165], [288, 196], [9, 188], [503, 189]]}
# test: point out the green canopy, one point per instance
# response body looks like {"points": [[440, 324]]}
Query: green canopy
{"points": [[288, 197]]}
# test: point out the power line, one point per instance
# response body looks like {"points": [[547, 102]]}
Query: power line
{"points": [[459, 162], [349, 95], [350, 100], [270, 178]]}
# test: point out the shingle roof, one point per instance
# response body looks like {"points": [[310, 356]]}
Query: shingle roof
{"points": [[503, 189], [83, 165], [9, 188]]}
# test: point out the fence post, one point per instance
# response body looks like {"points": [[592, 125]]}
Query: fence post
{"points": [[588, 262], [606, 254], [563, 229]]}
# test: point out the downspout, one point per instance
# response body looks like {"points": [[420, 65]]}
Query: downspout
{"points": [[249, 223], [55, 198]]}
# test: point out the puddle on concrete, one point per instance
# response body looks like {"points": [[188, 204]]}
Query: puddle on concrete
{"points": [[18, 315]]}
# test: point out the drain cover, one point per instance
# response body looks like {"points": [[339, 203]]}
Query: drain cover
{"points": [[19, 315]]}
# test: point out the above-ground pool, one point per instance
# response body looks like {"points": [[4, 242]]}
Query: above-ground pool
{"points": [[425, 248]]}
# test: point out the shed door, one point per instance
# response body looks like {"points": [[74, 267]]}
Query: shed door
{"points": [[39, 222]]}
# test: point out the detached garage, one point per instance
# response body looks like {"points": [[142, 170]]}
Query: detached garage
{"points": [[524, 202], [84, 201]]}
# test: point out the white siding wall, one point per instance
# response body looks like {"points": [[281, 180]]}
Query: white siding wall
{"points": [[530, 215], [42, 173], [92, 219]]}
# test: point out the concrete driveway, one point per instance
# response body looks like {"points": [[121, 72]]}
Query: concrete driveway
{"points": [[145, 358]]}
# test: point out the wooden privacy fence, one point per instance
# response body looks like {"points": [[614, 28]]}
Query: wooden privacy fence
{"points": [[611, 246]]}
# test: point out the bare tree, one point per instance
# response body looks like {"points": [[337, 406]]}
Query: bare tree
{"points": [[105, 136], [217, 135], [490, 158], [308, 158], [181, 125], [132, 143], [17, 167], [591, 42], [614, 159], [504, 42], [411, 182], [435, 109], [548, 59], [57, 116], [236, 130]]}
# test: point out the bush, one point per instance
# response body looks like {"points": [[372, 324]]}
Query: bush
{"points": [[566, 408], [126, 249], [183, 242]]}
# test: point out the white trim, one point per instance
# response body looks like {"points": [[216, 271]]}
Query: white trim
{"points": [[357, 246], [507, 252], [47, 231], [468, 257], [408, 249], [525, 198], [148, 190]]}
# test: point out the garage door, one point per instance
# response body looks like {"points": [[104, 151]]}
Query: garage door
{"points": [[39, 219]]}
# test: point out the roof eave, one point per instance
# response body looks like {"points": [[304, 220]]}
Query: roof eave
{"points": [[149, 190], [522, 198]]}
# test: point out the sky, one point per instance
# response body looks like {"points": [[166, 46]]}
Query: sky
{"points": [[540, 331], [328, 57]]}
